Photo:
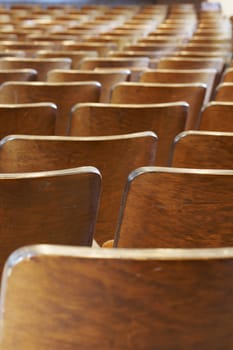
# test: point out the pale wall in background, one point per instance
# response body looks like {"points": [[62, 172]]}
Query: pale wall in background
{"points": [[227, 6]]}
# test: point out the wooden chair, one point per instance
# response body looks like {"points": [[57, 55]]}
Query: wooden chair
{"points": [[178, 208], [212, 40], [114, 156], [107, 78], [75, 56], [163, 39], [217, 116], [31, 119], [225, 55], [64, 95], [224, 92], [166, 120], [114, 62], [101, 48], [192, 63], [12, 53], [192, 47], [182, 76], [29, 48], [58, 207], [166, 47], [120, 38], [146, 93], [135, 298], [150, 54], [203, 149], [228, 76], [37, 280], [17, 75], [41, 65]]}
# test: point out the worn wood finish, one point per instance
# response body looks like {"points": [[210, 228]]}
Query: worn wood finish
{"points": [[166, 120], [217, 116], [145, 93], [33, 119], [64, 95], [176, 208], [117, 62], [17, 75], [107, 78], [114, 156], [182, 76], [57, 207], [203, 149], [135, 299], [41, 65]]}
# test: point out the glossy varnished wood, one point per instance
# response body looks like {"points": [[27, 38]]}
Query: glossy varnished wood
{"points": [[107, 78], [57, 207], [183, 76], [64, 95], [192, 63], [101, 48], [145, 93], [75, 56], [117, 62], [176, 208], [126, 299], [203, 149], [32, 119], [166, 120], [114, 156], [17, 75], [224, 92], [41, 65], [217, 116]]}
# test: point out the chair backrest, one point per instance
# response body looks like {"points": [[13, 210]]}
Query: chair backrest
{"points": [[192, 63], [29, 47], [101, 48], [166, 120], [182, 76], [176, 208], [32, 119], [17, 75], [228, 75], [203, 149], [224, 92], [57, 207], [217, 116], [117, 62], [225, 55], [107, 78], [75, 56], [145, 93], [41, 65], [114, 156], [64, 95], [133, 298]]}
